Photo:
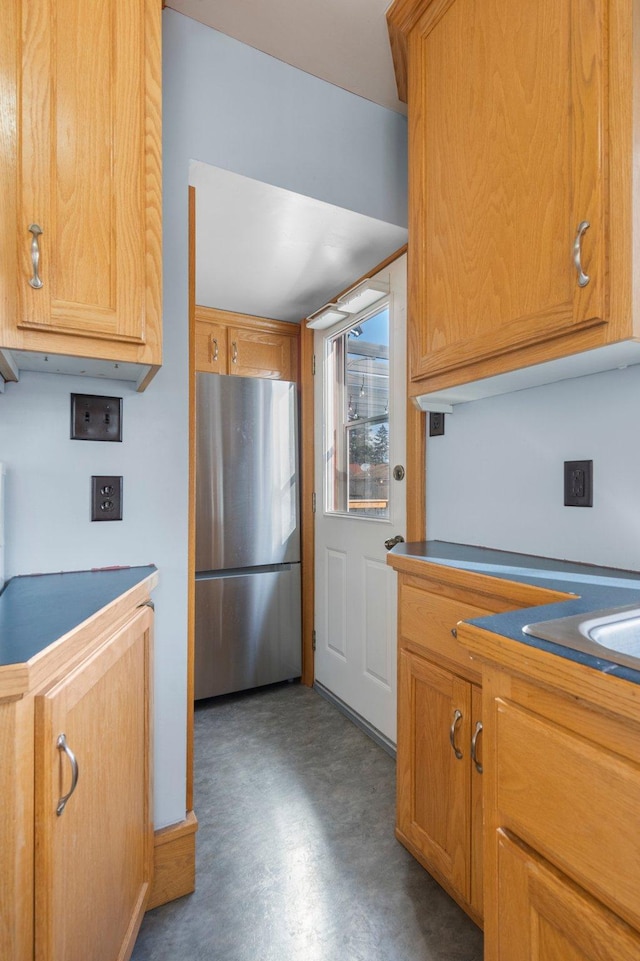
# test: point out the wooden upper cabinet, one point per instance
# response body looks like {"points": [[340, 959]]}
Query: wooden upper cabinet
{"points": [[512, 136], [247, 346], [211, 347], [86, 162]]}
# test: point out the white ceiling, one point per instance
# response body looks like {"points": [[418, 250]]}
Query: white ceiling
{"points": [[273, 253], [342, 41]]}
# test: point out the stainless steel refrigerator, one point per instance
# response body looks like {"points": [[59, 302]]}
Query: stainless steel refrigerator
{"points": [[248, 612]]}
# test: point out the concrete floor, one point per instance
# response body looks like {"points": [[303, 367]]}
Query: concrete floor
{"points": [[296, 857]]}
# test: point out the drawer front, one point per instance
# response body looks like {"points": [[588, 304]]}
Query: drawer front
{"points": [[427, 620], [574, 801]]}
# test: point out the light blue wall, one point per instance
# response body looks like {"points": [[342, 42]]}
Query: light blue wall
{"points": [[496, 477], [233, 107]]}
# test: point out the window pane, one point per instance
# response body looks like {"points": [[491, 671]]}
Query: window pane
{"points": [[357, 400]]}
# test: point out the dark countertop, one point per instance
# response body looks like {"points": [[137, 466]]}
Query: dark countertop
{"points": [[38, 609], [596, 589]]}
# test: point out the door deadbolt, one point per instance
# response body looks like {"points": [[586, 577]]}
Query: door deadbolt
{"points": [[398, 472]]}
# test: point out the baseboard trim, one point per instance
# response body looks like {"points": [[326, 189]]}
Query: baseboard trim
{"points": [[357, 719], [174, 861]]}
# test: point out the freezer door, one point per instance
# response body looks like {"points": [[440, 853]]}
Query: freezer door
{"points": [[248, 630], [246, 472]]}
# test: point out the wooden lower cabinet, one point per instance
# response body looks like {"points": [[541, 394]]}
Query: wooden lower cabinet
{"points": [[75, 877], [561, 803], [546, 917], [440, 762], [93, 857], [436, 818]]}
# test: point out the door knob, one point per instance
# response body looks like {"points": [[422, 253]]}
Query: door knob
{"points": [[392, 541]]}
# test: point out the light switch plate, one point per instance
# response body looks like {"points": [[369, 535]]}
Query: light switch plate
{"points": [[94, 417]]}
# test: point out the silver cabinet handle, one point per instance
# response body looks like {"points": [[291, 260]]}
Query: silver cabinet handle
{"points": [[62, 745], [474, 746], [234, 353], [457, 717], [583, 279], [213, 349], [35, 231]]}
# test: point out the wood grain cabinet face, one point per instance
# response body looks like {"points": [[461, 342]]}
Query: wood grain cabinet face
{"points": [[211, 348], [433, 784], [568, 800], [254, 353], [88, 177], [508, 155], [245, 346], [93, 862], [548, 918]]}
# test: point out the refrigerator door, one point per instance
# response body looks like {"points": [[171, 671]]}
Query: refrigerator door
{"points": [[246, 472], [247, 630]]}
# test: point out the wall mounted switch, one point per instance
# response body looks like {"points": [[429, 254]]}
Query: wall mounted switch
{"points": [[578, 483], [94, 417], [106, 498], [436, 424]]}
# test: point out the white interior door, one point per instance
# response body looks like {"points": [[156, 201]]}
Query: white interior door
{"points": [[360, 391]]}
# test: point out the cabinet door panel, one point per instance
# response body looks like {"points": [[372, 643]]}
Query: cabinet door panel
{"points": [[82, 168], [545, 917], [506, 140], [254, 353], [93, 862], [433, 785], [211, 348], [572, 800]]}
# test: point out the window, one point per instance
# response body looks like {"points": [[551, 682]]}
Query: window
{"points": [[357, 409]]}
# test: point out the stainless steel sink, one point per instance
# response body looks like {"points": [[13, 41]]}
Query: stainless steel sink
{"points": [[612, 635]]}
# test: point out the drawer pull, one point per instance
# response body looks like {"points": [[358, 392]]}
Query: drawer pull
{"points": [[62, 745], [213, 349], [457, 717], [35, 232], [583, 279], [474, 746]]}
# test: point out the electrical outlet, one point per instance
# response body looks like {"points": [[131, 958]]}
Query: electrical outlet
{"points": [[106, 498], [96, 418], [578, 483], [436, 424]]}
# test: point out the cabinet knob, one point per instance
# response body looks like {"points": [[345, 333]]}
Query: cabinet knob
{"points": [[62, 745], [35, 232], [457, 717]]}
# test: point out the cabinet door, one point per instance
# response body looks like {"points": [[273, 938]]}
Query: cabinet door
{"points": [[93, 860], [89, 173], [477, 806], [255, 353], [211, 348], [433, 809], [507, 138], [545, 917]]}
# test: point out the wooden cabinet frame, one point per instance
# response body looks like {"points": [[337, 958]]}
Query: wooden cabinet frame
{"points": [[436, 678], [605, 78]]}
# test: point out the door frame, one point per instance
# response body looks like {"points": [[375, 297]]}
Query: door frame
{"points": [[415, 474], [415, 489]]}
